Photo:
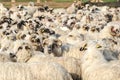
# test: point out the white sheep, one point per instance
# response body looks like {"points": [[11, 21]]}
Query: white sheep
{"points": [[71, 9], [22, 51], [33, 71], [95, 67], [5, 57], [73, 50], [72, 65]]}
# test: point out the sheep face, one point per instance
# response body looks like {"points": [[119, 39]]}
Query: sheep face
{"points": [[47, 44], [93, 53], [36, 42], [56, 48], [7, 32], [35, 39], [23, 53], [21, 36], [46, 31], [115, 31], [21, 24]]}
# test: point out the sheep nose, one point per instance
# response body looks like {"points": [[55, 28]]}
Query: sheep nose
{"points": [[38, 40]]}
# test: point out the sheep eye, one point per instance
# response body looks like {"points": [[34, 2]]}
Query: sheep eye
{"points": [[85, 45], [16, 31], [117, 30], [7, 33], [1, 27], [32, 40], [30, 21], [26, 47], [70, 35], [4, 32], [19, 48]]}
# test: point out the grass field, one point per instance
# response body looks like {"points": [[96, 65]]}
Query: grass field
{"points": [[51, 3], [54, 0]]}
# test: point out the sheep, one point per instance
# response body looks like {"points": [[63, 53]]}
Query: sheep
{"points": [[93, 33], [59, 11], [3, 10], [95, 67], [111, 30], [30, 8], [26, 31], [6, 44], [56, 48], [74, 37], [5, 57], [36, 42], [33, 71], [22, 50], [72, 65], [73, 50], [71, 9], [107, 33]]}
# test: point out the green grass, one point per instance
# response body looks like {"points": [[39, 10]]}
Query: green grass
{"points": [[26, 0], [52, 0], [110, 0], [63, 0]]}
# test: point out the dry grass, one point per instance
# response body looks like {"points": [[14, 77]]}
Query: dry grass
{"points": [[51, 4]]}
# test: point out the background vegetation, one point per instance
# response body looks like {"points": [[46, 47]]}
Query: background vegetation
{"points": [[53, 0]]}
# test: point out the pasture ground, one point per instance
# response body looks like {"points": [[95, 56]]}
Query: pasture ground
{"points": [[58, 3]]}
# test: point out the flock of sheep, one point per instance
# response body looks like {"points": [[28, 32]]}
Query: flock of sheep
{"points": [[43, 43]]}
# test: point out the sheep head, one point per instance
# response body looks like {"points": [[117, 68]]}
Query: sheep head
{"points": [[36, 42], [93, 52], [24, 53], [21, 36], [115, 31], [86, 28]]}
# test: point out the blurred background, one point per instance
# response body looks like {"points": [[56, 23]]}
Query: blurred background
{"points": [[51, 3], [53, 0]]}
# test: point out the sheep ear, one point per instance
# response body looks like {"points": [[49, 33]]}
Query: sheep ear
{"points": [[98, 46], [85, 45], [18, 36], [1, 27]]}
